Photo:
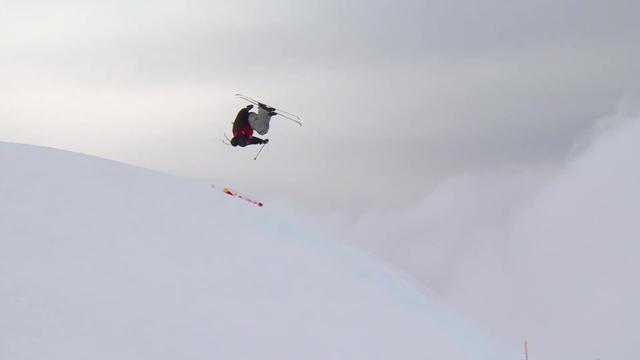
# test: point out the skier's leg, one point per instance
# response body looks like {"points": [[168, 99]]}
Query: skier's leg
{"points": [[262, 121], [252, 118]]}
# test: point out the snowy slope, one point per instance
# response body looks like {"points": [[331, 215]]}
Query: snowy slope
{"points": [[100, 260]]}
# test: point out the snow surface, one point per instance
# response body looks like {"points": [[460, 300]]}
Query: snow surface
{"points": [[101, 260]]}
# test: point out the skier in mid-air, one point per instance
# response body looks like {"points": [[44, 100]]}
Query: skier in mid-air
{"points": [[246, 122]]}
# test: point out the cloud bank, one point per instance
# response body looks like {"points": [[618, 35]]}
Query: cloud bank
{"points": [[404, 93], [549, 254]]}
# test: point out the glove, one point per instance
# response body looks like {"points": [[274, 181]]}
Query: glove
{"points": [[265, 141], [249, 107]]}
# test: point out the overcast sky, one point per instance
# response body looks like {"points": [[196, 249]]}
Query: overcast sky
{"points": [[395, 96]]}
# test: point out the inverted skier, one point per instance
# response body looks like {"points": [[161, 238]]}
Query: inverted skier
{"points": [[247, 121]]}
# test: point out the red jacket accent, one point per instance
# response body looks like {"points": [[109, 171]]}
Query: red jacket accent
{"points": [[245, 131]]}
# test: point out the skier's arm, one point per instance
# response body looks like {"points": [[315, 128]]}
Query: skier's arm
{"points": [[256, 141]]}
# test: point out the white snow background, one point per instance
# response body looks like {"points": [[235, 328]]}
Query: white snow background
{"points": [[101, 260]]}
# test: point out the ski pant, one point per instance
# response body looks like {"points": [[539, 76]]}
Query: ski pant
{"points": [[260, 121]]}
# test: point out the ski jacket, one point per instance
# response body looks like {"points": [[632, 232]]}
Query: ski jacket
{"points": [[241, 126]]}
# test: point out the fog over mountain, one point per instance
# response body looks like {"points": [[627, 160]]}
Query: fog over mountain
{"points": [[548, 253]]}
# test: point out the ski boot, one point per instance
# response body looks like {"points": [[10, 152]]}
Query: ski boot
{"points": [[267, 107]]}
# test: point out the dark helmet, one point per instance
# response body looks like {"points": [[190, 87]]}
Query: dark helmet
{"points": [[239, 141]]}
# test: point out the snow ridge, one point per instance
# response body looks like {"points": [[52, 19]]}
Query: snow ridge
{"points": [[103, 260]]}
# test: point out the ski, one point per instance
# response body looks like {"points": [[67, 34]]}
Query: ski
{"points": [[288, 117], [256, 102], [285, 114]]}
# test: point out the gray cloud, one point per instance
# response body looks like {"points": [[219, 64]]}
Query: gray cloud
{"points": [[407, 93]]}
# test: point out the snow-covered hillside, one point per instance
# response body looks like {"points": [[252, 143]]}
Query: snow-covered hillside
{"points": [[100, 260]]}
